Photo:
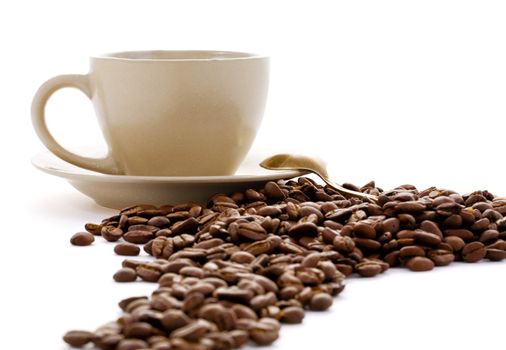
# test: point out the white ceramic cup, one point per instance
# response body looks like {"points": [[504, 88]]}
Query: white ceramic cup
{"points": [[167, 113]]}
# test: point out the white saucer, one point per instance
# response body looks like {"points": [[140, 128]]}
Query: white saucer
{"points": [[119, 191]]}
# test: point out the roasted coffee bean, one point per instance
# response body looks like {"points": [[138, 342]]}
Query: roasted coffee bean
{"points": [[464, 234], [228, 272], [192, 331], [320, 302], [368, 269], [242, 257], [409, 207], [455, 242], [453, 221], [127, 249], [252, 230], [489, 236], [149, 273], [190, 225], [292, 315], [158, 221], [441, 257], [264, 246], [78, 339], [495, 254], [244, 312], [139, 330], [234, 294], [82, 239], [473, 252], [111, 233], [174, 319], [391, 225], [419, 263], [427, 238], [94, 229], [138, 237], [432, 227], [263, 333], [223, 317], [125, 274], [364, 230], [132, 344], [239, 337], [407, 221], [273, 192]]}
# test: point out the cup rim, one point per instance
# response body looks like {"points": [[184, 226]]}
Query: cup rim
{"points": [[215, 55]]}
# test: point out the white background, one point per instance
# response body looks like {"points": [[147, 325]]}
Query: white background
{"points": [[395, 91]]}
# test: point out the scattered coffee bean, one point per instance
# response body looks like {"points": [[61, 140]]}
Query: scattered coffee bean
{"points": [[78, 339], [320, 302], [419, 263], [125, 274], [229, 272], [82, 239], [127, 249]]}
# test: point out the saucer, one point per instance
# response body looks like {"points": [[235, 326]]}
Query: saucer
{"points": [[120, 191]]}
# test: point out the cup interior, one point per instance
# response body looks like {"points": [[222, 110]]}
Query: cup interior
{"points": [[190, 55]]}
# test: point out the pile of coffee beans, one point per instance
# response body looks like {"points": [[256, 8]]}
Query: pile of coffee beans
{"points": [[232, 271]]}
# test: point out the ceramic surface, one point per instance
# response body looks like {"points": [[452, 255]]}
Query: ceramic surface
{"points": [[167, 112], [119, 191]]}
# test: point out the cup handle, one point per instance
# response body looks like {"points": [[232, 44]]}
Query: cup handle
{"points": [[105, 165]]}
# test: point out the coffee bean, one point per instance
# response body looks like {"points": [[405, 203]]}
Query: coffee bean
{"points": [[132, 344], [78, 339], [138, 330], [192, 331], [273, 192], [464, 234], [489, 236], [368, 269], [138, 237], [427, 238], [264, 246], [111, 233], [419, 263], [228, 272], [148, 273], [303, 228], [432, 227], [409, 207], [158, 221], [441, 257], [174, 319], [192, 301], [224, 318], [252, 230], [473, 252], [94, 229], [242, 257], [292, 315], [363, 230], [82, 239], [495, 254], [320, 302], [125, 274], [239, 337], [234, 294], [126, 249], [263, 334], [391, 225]]}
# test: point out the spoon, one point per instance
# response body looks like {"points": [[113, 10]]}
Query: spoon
{"points": [[313, 165]]}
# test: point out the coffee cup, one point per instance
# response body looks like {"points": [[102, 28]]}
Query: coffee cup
{"points": [[167, 113]]}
